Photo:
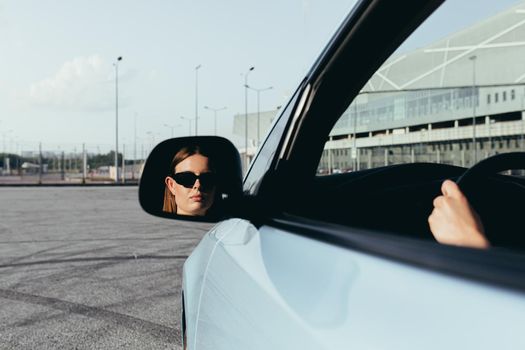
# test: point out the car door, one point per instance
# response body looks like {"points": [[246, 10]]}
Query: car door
{"points": [[269, 287]]}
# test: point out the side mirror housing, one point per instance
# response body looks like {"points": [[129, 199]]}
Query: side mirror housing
{"points": [[215, 194]]}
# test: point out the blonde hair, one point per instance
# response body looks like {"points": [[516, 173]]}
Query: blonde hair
{"points": [[169, 205]]}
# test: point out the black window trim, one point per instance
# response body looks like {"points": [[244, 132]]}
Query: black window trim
{"points": [[496, 267], [286, 117]]}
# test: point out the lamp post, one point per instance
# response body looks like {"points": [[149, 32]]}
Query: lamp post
{"points": [[215, 110], [475, 149], [116, 117], [246, 118], [259, 109], [197, 97], [134, 147], [152, 140], [189, 124], [171, 127]]}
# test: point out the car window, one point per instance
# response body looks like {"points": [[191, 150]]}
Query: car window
{"points": [[452, 94]]}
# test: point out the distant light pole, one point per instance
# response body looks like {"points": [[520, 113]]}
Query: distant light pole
{"points": [[246, 118], [189, 124], [134, 147], [152, 140], [171, 127], [197, 97], [473, 59], [116, 117], [259, 109], [215, 110]]}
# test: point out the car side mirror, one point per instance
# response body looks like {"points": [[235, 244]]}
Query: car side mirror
{"points": [[191, 178]]}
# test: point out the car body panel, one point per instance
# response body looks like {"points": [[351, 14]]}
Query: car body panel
{"points": [[193, 282], [264, 290]]}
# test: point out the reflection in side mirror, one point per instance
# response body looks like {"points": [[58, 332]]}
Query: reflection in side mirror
{"points": [[195, 178]]}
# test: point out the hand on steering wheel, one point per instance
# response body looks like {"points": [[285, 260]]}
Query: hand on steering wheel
{"points": [[454, 222]]}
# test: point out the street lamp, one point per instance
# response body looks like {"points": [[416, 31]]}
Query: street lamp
{"points": [[215, 110], [258, 109], [197, 97], [473, 59], [246, 118], [171, 127], [152, 140], [189, 124], [134, 147], [116, 117]]}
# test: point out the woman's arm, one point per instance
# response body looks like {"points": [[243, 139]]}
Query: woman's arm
{"points": [[453, 221]]}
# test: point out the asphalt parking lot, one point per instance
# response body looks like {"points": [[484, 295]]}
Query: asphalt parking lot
{"points": [[86, 268]]}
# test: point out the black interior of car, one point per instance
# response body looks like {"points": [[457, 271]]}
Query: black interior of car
{"points": [[399, 198]]}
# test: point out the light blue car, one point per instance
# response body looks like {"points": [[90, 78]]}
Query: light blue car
{"points": [[325, 242]]}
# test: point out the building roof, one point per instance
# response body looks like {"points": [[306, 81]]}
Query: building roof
{"points": [[497, 43], [435, 83]]}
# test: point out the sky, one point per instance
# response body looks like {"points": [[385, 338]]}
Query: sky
{"points": [[57, 78]]}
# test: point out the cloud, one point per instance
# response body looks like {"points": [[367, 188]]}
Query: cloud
{"points": [[84, 83]]}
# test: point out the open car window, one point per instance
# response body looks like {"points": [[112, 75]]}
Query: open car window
{"points": [[452, 95]]}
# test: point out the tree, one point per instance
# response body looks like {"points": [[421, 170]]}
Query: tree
{"points": [[108, 159]]}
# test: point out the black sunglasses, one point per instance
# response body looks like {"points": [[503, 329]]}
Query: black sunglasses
{"points": [[187, 179]]}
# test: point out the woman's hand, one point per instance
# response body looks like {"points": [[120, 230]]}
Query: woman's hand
{"points": [[453, 221]]}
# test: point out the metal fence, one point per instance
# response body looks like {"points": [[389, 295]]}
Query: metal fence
{"points": [[77, 164]]}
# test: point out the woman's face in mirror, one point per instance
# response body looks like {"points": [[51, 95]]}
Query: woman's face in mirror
{"points": [[196, 199]]}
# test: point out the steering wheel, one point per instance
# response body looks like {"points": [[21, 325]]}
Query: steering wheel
{"points": [[490, 166], [499, 218]]}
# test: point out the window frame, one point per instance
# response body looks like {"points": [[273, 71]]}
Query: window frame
{"points": [[265, 158]]}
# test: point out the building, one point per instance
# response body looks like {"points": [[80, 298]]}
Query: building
{"points": [[455, 101], [258, 126]]}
